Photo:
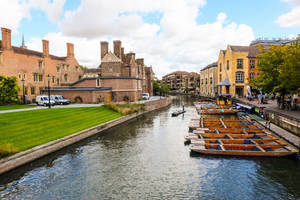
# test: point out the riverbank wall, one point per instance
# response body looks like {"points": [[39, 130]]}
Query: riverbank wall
{"points": [[19, 159]]}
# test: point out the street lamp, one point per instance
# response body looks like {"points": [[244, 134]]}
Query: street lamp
{"points": [[49, 89], [23, 81]]}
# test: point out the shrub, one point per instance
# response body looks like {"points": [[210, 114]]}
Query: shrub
{"points": [[9, 90], [7, 149], [125, 108]]}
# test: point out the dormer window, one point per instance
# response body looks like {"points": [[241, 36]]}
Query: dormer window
{"points": [[40, 64]]}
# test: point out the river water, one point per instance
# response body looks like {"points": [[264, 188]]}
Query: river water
{"points": [[147, 159]]}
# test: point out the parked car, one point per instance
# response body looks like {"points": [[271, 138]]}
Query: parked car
{"points": [[43, 100], [146, 96], [60, 100]]}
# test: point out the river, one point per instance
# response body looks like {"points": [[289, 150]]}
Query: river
{"points": [[147, 159]]}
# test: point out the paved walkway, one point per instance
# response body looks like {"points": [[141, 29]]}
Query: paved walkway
{"points": [[289, 137], [57, 106], [272, 106]]}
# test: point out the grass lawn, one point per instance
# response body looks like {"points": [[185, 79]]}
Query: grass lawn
{"points": [[16, 106], [24, 130]]}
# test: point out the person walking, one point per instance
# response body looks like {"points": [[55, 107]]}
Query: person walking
{"points": [[259, 98], [182, 106]]}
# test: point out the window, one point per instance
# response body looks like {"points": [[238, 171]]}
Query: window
{"points": [[68, 67], [35, 77], [201, 81], [110, 69], [220, 67], [227, 64], [57, 68], [220, 77], [40, 64], [210, 81], [41, 88], [40, 77], [66, 77], [98, 83], [26, 90], [251, 75], [53, 79], [252, 64], [239, 77], [20, 76], [32, 90], [24, 76], [240, 63], [57, 81], [206, 81], [79, 77]]}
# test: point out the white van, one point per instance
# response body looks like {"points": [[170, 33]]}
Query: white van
{"points": [[43, 100], [146, 96], [59, 99]]}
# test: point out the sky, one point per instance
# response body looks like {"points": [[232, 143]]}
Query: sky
{"points": [[169, 35]]}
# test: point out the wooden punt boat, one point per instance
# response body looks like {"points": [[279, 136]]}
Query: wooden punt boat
{"points": [[176, 113], [237, 141], [243, 149]]}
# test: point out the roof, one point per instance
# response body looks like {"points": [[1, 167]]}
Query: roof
{"points": [[253, 51], [271, 42], [92, 70], [239, 48], [225, 82], [110, 57], [78, 89], [177, 73], [214, 64], [35, 53], [108, 77]]}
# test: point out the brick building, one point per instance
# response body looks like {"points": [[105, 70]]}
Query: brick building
{"points": [[182, 81], [119, 77], [33, 66], [209, 80]]}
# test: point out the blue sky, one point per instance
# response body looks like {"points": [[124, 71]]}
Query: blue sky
{"points": [[167, 34]]}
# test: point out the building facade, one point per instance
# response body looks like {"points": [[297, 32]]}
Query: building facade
{"points": [[119, 77], [209, 80], [33, 67], [233, 69], [182, 81]]}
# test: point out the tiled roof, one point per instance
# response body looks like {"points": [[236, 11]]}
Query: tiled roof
{"points": [[110, 57], [253, 51], [239, 48], [214, 64], [92, 70], [35, 53]]}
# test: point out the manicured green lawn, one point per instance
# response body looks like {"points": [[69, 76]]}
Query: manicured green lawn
{"points": [[12, 107], [27, 129]]}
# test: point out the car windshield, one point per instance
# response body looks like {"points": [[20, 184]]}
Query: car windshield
{"points": [[60, 98], [45, 98]]}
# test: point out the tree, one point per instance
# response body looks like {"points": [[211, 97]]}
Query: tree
{"points": [[160, 88], [279, 69], [9, 90]]}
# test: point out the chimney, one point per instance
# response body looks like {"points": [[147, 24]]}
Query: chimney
{"points": [[117, 48], [6, 38], [45, 47], [140, 61], [104, 48], [122, 52], [70, 50]]}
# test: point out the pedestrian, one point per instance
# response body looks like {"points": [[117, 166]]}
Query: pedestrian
{"points": [[289, 102], [295, 97], [259, 98], [182, 106]]}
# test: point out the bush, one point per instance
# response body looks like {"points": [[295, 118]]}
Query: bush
{"points": [[7, 149], [9, 90], [125, 108]]}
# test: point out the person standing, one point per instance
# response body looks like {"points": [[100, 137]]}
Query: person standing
{"points": [[295, 97], [182, 106]]}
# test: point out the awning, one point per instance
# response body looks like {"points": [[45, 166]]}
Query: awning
{"points": [[225, 82]]}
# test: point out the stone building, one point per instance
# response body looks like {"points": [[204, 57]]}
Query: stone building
{"points": [[181, 81], [119, 77], [209, 80], [34, 67]]}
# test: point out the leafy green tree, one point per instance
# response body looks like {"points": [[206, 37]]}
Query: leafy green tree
{"points": [[9, 90], [279, 69], [160, 88]]}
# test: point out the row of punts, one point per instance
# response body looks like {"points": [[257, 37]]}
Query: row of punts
{"points": [[213, 109], [234, 136]]}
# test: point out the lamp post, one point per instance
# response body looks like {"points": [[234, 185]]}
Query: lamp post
{"points": [[49, 89], [23, 81]]}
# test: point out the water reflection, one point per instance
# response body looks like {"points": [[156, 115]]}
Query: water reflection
{"points": [[147, 159]]}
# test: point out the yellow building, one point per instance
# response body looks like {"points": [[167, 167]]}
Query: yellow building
{"points": [[233, 70]]}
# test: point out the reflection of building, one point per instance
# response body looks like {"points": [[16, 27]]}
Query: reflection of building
{"points": [[119, 77], [181, 81], [209, 80], [34, 66], [233, 69]]}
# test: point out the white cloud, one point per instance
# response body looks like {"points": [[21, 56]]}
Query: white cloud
{"points": [[292, 18], [12, 12], [176, 41], [53, 9]]}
